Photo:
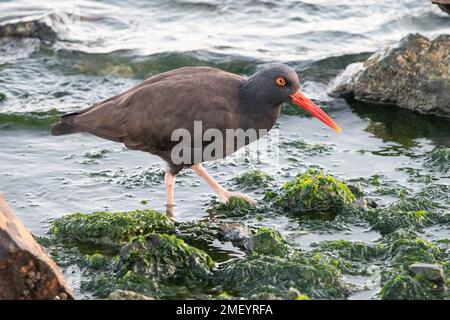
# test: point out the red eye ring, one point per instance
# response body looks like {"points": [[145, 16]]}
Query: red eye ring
{"points": [[280, 81]]}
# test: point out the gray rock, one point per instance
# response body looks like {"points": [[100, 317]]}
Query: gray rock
{"points": [[28, 29], [413, 74], [433, 272], [236, 233], [128, 295]]}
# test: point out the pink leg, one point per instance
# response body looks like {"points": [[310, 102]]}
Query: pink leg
{"points": [[222, 193], [169, 180]]}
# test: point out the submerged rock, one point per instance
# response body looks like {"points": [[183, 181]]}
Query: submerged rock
{"points": [[236, 233], [257, 276], [110, 228], [413, 74], [197, 232], [352, 257], [29, 29], [269, 242], [161, 257], [403, 276], [313, 192]]}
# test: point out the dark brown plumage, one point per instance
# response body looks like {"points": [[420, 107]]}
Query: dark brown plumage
{"points": [[144, 117]]}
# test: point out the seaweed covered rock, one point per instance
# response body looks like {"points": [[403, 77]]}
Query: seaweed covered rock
{"points": [[432, 272], [352, 257], [161, 257], [313, 192], [259, 275], [254, 179], [269, 242], [401, 279], [390, 219], [234, 207], [110, 228], [412, 74], [197, 232], [406, 287]]}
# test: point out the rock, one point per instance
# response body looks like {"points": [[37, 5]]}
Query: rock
{"points": [[433, 272], [413, 74], [110, 228], [128, 295], [444, 5], [236, 233], [29, 29], [26, 272], [161, 257], [313, 193], [268, 241]]}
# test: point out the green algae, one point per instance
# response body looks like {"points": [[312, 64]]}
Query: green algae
{"points": [[268, 241], [387, 220], [398, 282], [234, 207], [161, 257], [439, 158], [29, 119], [352, 257], [308, 148], [406, 287], [197, 232], [110, 228], [254, 179], [313, 192], [2, 96], [256, 274]]}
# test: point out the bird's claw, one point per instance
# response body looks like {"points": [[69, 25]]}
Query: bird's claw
{"points": [[225, 196]]}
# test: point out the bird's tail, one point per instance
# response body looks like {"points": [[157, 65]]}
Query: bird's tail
{"points": [[65, 126]]}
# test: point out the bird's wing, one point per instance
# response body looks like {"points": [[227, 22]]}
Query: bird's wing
{"points": [[145, 116]]}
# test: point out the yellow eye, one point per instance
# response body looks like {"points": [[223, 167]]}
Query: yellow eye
{"points": [[280, 81]]}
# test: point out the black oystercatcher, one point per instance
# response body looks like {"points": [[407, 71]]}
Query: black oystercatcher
{"points": [[146, 116]]}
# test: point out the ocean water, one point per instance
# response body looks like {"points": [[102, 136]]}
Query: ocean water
{"points": [[105, 47]]}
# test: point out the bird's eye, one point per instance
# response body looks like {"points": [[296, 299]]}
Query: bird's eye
{"points": [[280, 81]]}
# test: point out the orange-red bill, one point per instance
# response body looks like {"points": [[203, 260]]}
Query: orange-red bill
{"points": [[299, 99]]}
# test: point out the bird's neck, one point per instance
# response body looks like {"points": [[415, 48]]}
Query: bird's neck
{"points": [[258, 111]]}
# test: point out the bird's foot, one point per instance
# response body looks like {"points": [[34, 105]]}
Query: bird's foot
{"points": [[226, 195]]}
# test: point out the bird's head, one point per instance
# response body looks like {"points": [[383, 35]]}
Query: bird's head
{"points": [[279, 83]]}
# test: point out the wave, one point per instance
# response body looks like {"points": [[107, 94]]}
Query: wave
{"points": [[29, 119]]}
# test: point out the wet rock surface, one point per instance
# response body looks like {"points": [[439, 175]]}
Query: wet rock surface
{"points": [[412, 74], [26, 272]]}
